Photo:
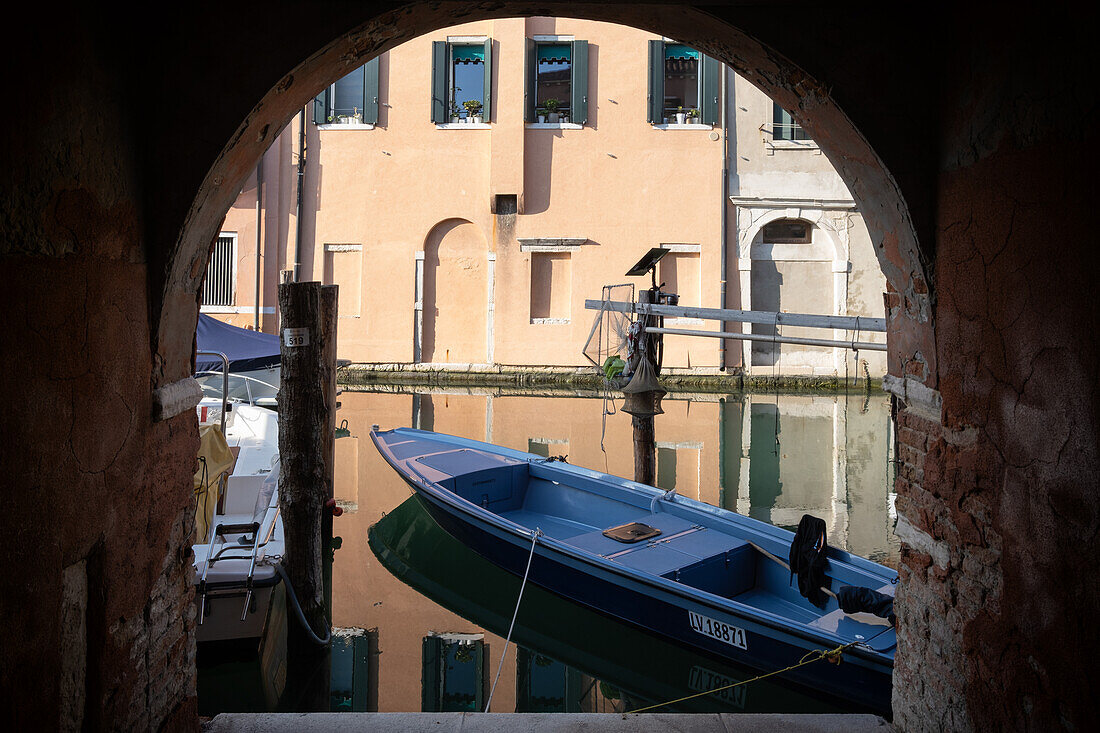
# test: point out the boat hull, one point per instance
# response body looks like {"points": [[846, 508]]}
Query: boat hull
{"points": [[862, 681], [221, 619]]}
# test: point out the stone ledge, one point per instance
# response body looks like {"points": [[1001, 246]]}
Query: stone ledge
{"points": [[545, 723]]}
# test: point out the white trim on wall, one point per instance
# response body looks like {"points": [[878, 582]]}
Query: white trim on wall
{"points": [[226, 309]]}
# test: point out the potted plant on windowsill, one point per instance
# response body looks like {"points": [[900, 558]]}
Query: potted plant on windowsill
{"points": [[693, 116], [552, 110], [473, 111], [681, 116], [456, 113], [540, 115]]}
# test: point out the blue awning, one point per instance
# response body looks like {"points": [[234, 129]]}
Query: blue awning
{"points": [[554, 53], [247, 350], [468, 54], [680, 51]]}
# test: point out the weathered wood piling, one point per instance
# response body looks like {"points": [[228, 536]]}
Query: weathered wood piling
{"points": [[307, 419]]}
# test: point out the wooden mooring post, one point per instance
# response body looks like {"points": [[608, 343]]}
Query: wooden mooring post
{"points": [[307, 419], [645, 448]]}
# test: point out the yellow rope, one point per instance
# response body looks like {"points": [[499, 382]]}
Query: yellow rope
{"points": [[831, 655]]}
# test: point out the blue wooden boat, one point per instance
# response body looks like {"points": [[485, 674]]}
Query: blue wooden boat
{"points": [[682, 569]]}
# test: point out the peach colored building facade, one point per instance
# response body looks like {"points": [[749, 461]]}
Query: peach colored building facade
{"points": [[459, 243]]}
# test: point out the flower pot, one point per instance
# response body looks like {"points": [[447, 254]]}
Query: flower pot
{"points": [[456, 120], [680, 118], [553, 117], [542, 119], [477, 119]]}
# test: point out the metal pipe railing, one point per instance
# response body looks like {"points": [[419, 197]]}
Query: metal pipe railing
{"points": [[225, 380], [777, 339]]}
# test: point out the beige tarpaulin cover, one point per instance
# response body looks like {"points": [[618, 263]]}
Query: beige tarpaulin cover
{"points": [[215, 459]]}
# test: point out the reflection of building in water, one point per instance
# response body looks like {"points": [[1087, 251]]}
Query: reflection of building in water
{"points": [[820, 455], [354, 682], [455, 674], [832, 460]]}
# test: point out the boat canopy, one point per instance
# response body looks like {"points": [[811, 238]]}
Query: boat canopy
{"points": [[247, 350]]}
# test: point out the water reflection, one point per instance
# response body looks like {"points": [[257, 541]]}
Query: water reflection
{"points": [[427, 648], [569, 658]]}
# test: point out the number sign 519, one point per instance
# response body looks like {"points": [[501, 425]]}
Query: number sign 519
{"points": [[295, 337]]}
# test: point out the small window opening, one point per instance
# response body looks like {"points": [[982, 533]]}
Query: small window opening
{"points": [[787, 231], [505, 203]]}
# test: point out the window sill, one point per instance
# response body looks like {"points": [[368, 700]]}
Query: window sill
{"points": [[464, 126], [346, 126], [685, 126], [554, 126], [791, 145], [550, 321]]}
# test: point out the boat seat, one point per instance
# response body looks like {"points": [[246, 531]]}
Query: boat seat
{"points": [[600, 544], [685, 552]]}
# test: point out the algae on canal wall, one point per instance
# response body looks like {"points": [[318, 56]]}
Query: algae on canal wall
{"points": [[589, 379]]}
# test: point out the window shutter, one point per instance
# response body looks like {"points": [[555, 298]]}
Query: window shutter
{"points": [[320, 108], [432, 683], [578, 105], [708, 98], [439, 82], [370, 91], [486, 107], [656, 82], [530, 89], [782, 123]]}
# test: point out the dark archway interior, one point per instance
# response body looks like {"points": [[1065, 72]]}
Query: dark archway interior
{"points": [[966, 140]]}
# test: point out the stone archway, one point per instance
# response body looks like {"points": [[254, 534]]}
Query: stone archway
{"points": [[120, 176], [884, 208]]}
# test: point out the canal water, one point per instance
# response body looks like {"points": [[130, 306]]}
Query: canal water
{"points": [[420, 619]]}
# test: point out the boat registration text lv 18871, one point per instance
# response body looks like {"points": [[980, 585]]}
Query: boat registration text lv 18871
{"points": [[718, 630]]}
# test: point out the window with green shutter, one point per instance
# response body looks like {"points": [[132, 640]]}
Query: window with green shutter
{"points": [[683, 85], [352, 99], [557, 81], [462, 76]]}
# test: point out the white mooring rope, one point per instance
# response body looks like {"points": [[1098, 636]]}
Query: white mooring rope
{"points": [[534, 540]]}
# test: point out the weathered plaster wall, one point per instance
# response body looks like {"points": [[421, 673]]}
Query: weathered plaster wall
{"points": [[94, 579], [999, 607]]}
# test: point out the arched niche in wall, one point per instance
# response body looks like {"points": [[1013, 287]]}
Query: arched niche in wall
{"points": [[456, 281]]}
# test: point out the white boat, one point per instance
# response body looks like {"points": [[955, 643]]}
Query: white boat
{"points": [[241, 363], [240, 543], [238, 533]]}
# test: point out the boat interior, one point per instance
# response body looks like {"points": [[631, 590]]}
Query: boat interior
{"points": [[699, 549], [247, 496]]}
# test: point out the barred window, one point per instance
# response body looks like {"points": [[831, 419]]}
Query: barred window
{"points": [[219, 285]]}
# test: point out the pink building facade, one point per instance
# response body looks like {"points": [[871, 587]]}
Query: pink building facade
{"points": [[470, 189]]}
